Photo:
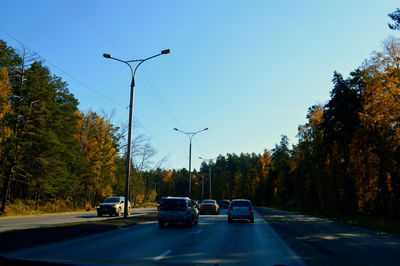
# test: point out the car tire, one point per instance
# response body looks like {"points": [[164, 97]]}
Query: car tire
{"points": [[201, 213], [99, 214], [197, 221], [229, 220], [189, 223], [252, 220], [160, 224]]}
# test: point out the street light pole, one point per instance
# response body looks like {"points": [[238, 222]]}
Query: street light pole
{"points": [[190, 135], [128, 159], [202, 187]]}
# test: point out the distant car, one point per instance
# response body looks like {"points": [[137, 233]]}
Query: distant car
{"points": [[209, 206], [224, 203], [112, 206], [241, 209], [177, 210]]}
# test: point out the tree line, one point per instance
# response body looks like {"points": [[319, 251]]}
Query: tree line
{"points": [[51, 151], [347, 159]]}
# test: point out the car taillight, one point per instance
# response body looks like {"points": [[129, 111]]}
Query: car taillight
{"points": [[214, 206], [251, 208], [187, 210], [159, 209], [230, 208], [202, 205]]}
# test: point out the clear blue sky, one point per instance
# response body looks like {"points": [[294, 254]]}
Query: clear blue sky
{"points": [[248, 70]]}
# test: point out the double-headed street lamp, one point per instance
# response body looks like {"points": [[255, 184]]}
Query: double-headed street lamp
{"points": [[209, 164], [128, 158], [190, 135]]}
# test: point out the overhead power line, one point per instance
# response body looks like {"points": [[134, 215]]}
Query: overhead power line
{"points": [[61, 70], [86, 86], [86, 14]]}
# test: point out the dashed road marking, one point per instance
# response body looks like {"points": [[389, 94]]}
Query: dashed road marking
{"points": [[162, 255], [199, 231]]}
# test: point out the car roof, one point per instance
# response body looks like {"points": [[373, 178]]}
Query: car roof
{"points": [[184, 198]]}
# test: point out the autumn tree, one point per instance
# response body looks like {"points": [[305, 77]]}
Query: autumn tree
{"points": [[395, 16], [381, 118]]}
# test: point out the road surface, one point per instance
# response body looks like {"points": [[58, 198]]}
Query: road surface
{"points": [[33, 221], [327, 242], [213, 241]]}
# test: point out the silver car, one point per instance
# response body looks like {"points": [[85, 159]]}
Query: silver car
{"points": [[177, 210], [209, 206], [241, 209]]}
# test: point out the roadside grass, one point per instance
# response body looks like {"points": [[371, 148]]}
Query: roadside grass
{"points": [[145, 204], [19, 207], [19, 239], [387, 225], [391, 226]]}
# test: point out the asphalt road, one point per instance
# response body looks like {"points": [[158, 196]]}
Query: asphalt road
{"points": [[33, 221], [327, 242], [213, 241]]}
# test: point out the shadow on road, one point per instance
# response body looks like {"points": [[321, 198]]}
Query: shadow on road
{"points": [[89, 216]]}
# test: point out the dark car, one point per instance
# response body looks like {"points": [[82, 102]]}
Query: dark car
{"points": [[177, 210], [224, 203], [161, 201]]}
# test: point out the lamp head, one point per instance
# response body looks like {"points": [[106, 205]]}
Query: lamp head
{"points": [[206, 128], [107, 55], [166, 51], [175, 129]]}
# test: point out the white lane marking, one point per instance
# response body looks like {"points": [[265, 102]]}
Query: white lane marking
{"points": [[160, 257], [199, 231]]}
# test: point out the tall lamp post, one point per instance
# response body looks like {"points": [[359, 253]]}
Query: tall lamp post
{"points": [[190, 135], [209, 164], [128, 159]]}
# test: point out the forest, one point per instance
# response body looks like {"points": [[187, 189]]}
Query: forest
{"points": [[346, 160], [53, 155]]}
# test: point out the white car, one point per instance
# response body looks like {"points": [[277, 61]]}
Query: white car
{"points": [[112, 206], [241, 209]]}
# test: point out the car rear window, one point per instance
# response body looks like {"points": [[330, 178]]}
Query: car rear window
{"points": [[241, 203], [210, 201], [174, 204]]}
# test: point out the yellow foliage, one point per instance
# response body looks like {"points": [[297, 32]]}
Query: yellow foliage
{"points": [[382, 91], [5, 107], [364, 169], [266, 163], [152, 195], [99, 152], [168, 177]]}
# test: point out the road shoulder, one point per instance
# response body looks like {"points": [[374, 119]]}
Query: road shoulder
{"points": [[327, 242]]}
